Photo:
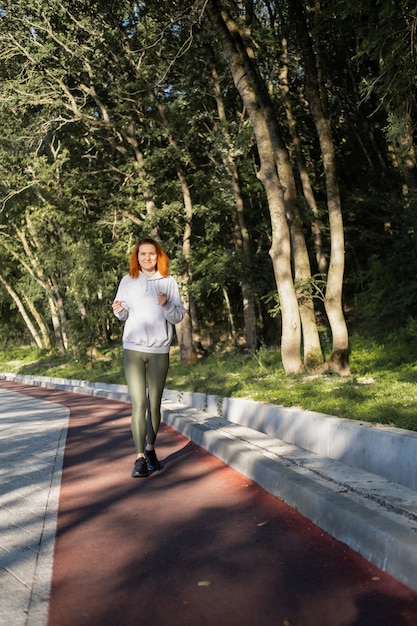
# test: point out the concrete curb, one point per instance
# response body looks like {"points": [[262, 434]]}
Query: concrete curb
{"points": [[386, 538], [372, 514]]}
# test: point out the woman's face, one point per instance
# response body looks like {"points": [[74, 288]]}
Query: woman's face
{"points": [[147, 257]]}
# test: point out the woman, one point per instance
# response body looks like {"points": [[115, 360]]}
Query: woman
{"points": [[148, 300]]}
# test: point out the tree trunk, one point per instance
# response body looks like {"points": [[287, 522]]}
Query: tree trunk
{"points": [[60, 310], [280, 251], [59, 340], [240, 232], [242, 244], [311, 342], [46, 340], [312, 352], [406, 156], [232, 329], [307, 188], [339, 359], [34, 267], [188, 350], [184, 336], [195, 326], [131, 139], [17, 300]]}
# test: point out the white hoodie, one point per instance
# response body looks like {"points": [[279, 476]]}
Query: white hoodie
{"points": [[148, 326]]}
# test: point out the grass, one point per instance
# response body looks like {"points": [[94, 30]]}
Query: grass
{"points": [[381, 389]]}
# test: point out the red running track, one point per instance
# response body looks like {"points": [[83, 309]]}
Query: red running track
{"points": [[196, 544]]}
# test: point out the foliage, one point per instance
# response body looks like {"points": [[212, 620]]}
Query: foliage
{"points": [[101, 102]]}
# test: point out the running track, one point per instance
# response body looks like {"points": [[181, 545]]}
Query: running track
{"points": [[196, 544]]}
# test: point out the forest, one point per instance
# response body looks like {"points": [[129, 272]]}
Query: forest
{"points": [[269, 145]]}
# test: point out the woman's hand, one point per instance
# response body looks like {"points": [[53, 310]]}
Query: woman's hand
{"points": [[117, 306], [162, 298]]}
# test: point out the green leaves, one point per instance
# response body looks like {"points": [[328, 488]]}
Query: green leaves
{"points": [[104, 104]]}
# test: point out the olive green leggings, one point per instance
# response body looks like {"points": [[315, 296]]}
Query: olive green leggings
{"points": [[145, 375]]}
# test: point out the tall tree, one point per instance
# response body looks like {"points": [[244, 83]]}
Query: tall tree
{"points": [[241, 235], [387, 55], [84, 68], [245, 77], [339, 358]]}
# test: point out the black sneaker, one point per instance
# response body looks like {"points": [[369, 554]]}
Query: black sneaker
{"points": [[152, 461], [140, 468]]}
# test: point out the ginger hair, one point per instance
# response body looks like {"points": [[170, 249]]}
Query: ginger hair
{"points": [[162, 262]]}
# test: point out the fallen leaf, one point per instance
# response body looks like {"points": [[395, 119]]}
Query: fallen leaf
{"points": [[204, 583]]}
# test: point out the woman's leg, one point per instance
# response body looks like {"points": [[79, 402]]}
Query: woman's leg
{"points": [[135, 372], [157, 370]]}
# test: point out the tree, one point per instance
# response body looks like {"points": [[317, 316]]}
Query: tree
{"points": [[228, 130], [71, 59], [339, 359], [247, 81], [391, 49]]}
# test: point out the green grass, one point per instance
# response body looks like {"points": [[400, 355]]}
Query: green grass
{"points": [[382, 388]]}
